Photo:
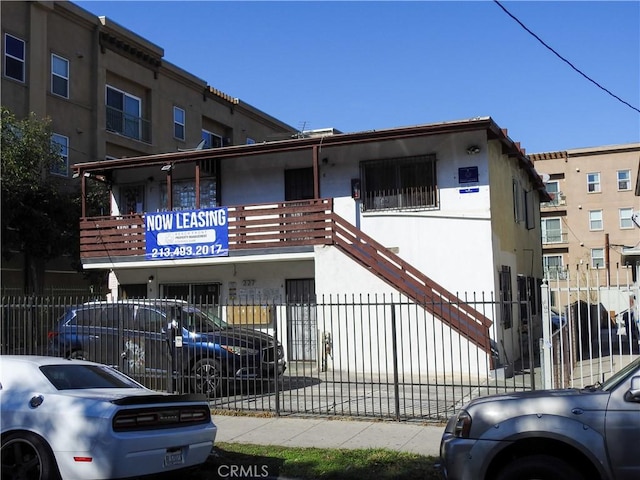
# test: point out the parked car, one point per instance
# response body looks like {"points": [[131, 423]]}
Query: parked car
{"points": [[575, 434], [557, 319], [149, 339], [78, 419]]}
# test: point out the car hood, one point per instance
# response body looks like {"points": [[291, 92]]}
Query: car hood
{"points": [[239, 336], [493, 409]]}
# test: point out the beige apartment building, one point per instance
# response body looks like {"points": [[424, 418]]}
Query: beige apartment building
{"points": [[110, 94], [589, 233]]}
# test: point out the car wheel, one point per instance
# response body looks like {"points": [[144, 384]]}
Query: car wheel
{"points": [[207, 377], [539, 467], [78, 355], [27, 456]]}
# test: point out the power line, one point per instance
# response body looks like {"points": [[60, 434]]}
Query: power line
{"points": [[564, 59]]}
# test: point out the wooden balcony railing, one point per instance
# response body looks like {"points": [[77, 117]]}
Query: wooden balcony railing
{"points": [[300, 223], [259, 226]]}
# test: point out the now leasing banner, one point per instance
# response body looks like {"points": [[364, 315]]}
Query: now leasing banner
{"points": [[187, 234]]}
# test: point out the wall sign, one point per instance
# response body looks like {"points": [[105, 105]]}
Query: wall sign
{"points": [[468, 174], [187, 234]]}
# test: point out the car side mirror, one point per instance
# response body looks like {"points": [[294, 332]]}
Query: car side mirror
{"points": [[633, 394]]}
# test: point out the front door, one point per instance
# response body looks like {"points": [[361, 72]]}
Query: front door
{"points": [[301, 320]]}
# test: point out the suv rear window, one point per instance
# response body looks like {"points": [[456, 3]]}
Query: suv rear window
{"points": [[103, 316]]}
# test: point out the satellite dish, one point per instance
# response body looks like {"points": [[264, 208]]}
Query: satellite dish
{"points": [[545, 177], [200, 146], [635, 218]]}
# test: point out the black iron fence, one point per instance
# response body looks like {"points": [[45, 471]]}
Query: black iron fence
{"points": [[364, 356], [382, 356]]}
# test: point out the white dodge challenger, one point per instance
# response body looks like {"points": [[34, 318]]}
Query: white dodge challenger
{"points": [[74, 419]]}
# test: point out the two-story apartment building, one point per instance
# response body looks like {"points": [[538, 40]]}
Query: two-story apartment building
{"points": [[110, 94], [444, 214]]}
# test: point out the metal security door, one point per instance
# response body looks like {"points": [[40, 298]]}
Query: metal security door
{"points": [[301, 320]]}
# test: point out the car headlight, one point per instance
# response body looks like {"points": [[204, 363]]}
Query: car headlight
{"points": [[463, 424], [243, 351]]}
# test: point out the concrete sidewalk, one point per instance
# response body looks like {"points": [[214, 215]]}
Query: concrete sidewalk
{"points": [[423, 439]]}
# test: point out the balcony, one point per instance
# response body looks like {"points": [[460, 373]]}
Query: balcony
{"points": [[551, 238], [251, 227], [128, 125], [559, 200]]}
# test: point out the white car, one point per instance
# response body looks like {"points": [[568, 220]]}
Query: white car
{"points": [[74, 419]]}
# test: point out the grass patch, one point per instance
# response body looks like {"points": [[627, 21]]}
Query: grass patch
{"points": [[260, 461]]}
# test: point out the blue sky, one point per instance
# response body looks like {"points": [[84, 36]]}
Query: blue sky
{"points": [[373, 65]]}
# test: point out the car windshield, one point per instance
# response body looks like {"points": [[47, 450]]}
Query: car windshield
{"points": [[620, 376], [196, 320], [80, 376]]}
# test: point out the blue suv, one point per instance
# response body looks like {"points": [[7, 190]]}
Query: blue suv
{"points": [[155, 340]]}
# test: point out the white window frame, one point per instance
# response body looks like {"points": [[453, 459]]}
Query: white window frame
{"points": [[22, 61], [55, 75], [593, 184], [556, 193], [624, 180], [543, 226], [62, 143], [596, 222], [556, 270], [597, 258], [625, 214], [179, 124]]}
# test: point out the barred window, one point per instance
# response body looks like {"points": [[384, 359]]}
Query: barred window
{"points": [[400, 183]]}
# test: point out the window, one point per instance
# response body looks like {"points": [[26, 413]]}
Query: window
{"points": [[400, 183], [59, 76], [551, 230], [123, 113], [597, 257], [593, 182], [60, 145], [506, 296], [625, 217], [553, 188], [14, 57], [624, 179], [184, 194], [518, 202], [530, 201], [553, 267], [595, 220], [178, 123], [211, 140]]}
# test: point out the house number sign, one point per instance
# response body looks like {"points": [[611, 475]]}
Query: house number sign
{"points": [[187, 234]]}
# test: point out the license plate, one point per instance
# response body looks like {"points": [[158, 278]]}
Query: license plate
{"points": [[173, 458]]}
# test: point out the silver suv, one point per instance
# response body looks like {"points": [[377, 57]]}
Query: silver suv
{"points": [[591, 433]]}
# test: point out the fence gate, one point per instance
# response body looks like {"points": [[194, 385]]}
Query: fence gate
{"points": [[301, 320]]}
